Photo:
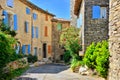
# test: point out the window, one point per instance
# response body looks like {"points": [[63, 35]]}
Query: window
{"points": [[46, 17], [27, 10], [26, 49], [46, 31], [99, 12], [59, 26], [103, 12], [49, 49], [26, 26], [34, 16], [10, 20], [35, 51], [10, 3], [35, 32]]}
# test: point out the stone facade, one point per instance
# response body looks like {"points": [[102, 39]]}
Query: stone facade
{"points": [[93, 29], [32, 45], [72, 15], [114, 40], [56, 47]]}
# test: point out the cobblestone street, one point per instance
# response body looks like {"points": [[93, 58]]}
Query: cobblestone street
{"points": [[53, 72]]}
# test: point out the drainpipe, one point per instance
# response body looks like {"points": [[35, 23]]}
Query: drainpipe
{"points": [[31, 30]]}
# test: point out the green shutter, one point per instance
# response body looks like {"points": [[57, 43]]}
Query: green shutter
{"points": [[59, 26]]}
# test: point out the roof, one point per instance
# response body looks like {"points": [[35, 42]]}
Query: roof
{"points": [[30, 4], [77, 7], [60, 20]]}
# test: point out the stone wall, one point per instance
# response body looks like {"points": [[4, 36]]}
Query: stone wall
{"points": [[114, 41], [56, 47], [94, 30], [72, 15]]}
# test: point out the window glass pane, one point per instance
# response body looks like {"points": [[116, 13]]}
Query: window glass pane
{"points": [[27, 10], [96, 12], [10, 3], [103, 12]]}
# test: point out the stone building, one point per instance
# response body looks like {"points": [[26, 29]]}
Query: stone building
{"points": [[73, 17], [93, 15], [32, 24], [114, 40], [57, 26]]}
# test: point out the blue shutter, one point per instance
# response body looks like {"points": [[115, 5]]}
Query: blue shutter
{"points": [[29, 49], [34, 16], [27, 10], [23, 49], [10, 3], [5, 20], [26, 26], [36, 32], [32, 32], [15, 23], [96, 12]]}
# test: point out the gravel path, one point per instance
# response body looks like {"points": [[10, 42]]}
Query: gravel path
{"points": [[53, 72]]}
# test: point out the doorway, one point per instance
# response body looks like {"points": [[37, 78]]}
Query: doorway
{"points": [[44, 50]]}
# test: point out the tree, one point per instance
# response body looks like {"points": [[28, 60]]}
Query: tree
{"points": [[71, 41]]}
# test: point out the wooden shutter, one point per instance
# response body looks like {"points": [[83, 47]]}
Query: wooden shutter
{"points": [[96, 12], [46, 17], [46, 31], [32, 32], [23, 49], [49, 48], [5, 20], [29, 49], [59, 26], [27, 10], [36, 32], [15, 23], [26, 26]]}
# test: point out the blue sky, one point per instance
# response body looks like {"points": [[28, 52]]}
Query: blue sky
{"points": [[61, 8]]}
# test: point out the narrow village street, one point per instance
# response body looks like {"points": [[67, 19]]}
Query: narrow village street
{"points": [[53, 72]]}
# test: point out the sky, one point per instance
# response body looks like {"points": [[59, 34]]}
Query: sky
{"points": [[61, 8]]}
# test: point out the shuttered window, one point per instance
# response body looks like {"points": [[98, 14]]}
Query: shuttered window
{"points": [[37, 32], [103, 12], [49, 48], [59, 26], [23, 49], [26, 26], [10, 3], [34, 16], [46, 31], [5, 20], [27, 10], [32, 32], [46, 17], [96, 12], [29, 49], [15, 23]]}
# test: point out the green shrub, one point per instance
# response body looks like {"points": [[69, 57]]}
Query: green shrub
{"points": [[67, 57], [97, 57], [89, 58], [31, 58], [102, 59]]}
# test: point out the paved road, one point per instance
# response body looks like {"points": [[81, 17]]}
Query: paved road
{"points": [[53, 72]]}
